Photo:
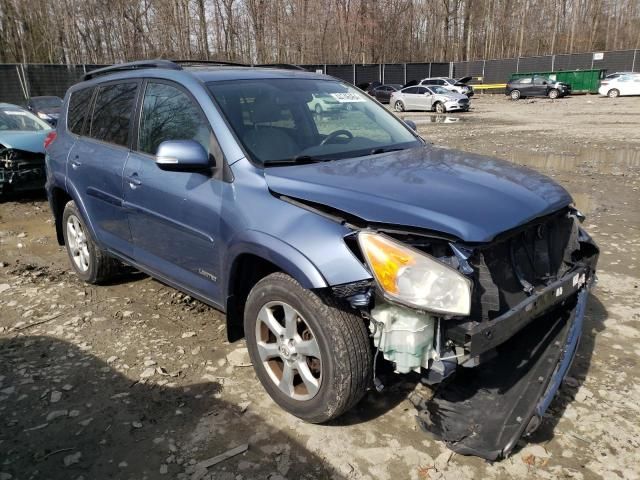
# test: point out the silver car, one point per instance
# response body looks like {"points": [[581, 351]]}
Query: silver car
{"points": [[430, 98]]}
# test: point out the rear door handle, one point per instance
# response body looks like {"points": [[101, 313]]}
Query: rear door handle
{"points": [[75, 163], [134, 181]]}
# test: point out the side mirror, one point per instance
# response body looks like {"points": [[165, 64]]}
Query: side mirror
{"points": [[411, 124], [182, 155]]}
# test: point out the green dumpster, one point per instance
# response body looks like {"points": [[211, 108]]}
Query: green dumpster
{"points": [[581, 81]]}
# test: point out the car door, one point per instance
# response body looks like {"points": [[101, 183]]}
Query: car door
{"points": [[635, 84], [174, 216], [409, 97], [97, 159], [524, 85], [539, 86], [422, 99], [428, 99]]}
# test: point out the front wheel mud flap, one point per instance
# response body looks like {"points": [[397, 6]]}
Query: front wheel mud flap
{"points": [[484, 411]]}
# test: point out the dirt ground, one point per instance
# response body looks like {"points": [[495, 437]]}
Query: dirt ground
{"points": [[134, 380]]}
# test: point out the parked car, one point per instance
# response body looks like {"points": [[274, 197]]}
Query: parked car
{"points": [[430, 98], [382, 93], [451, 84], [321, 103], [22, 137], [620, 84], [536, 86], [45, 108], [328, 239]]}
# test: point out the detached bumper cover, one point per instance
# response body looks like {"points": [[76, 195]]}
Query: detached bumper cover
{"points": [[486, 410]]}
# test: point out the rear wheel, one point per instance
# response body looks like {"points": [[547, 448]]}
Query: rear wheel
{"points": [[613, 93], [311, 355], [515, 95], [440, 108], [398, 106], [91, 264], [553, 94]]}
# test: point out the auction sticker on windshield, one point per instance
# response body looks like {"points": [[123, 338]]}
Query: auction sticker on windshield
{"points": [[347, 97]]}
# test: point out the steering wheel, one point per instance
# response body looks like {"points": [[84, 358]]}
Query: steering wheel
{"points": [[336, 134]]}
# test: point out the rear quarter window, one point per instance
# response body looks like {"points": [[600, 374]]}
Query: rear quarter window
{"points": [[79, 107], [112, 113]]}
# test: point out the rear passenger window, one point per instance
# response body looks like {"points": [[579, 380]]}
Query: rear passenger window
{"points": [[112, 113], [78, 110], [168, 113]]}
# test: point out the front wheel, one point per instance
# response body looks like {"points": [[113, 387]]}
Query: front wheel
{"points": [[399, 106], [440, 108], [311, 354], [613, 93], [553, 94], [91, 264], [515, 94]]}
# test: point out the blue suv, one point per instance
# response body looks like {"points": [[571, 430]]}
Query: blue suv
{"points": [[329, 239]]}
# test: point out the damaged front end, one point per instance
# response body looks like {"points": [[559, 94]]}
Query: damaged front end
{"points": [[497, 352], [21, 170]]}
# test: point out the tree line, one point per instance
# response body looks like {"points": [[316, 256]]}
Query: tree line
{"points": [[310, 31]]}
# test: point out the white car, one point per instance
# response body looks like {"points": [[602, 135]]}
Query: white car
{"points": [[623, 84], [451, 84], [431, 98]]}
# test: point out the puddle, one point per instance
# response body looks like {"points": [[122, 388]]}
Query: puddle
{"points": [[603, 161]]}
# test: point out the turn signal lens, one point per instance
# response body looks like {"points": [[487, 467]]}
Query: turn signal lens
{"points": [[415, 278]]}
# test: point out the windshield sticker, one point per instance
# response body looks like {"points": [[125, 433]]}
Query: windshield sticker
{"points": [[347, 97]]}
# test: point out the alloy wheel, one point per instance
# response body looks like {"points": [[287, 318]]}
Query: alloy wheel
{"points": [[288, 350], [78, 245]]}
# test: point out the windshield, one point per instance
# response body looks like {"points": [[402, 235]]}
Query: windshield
{"points": [[289, 120], [46, 102], [437, 89], [18, 119]]}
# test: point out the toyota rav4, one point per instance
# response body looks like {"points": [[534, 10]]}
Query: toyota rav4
{"points": [[330, 241]]}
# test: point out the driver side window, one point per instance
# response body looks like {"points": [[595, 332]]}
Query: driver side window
{"points": [[168, 113]]}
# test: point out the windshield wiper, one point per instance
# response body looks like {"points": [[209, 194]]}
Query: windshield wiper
{"points": [[378, 150], [298, 160]]}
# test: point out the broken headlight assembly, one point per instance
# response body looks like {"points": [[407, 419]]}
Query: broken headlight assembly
{"points": [[414, 278]]}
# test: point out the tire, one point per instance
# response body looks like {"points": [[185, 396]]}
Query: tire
{"points": [[515, 95], [398, 106], [318, 108], [613, 93], [90, 263], [440, 108], [340, 361], [553, 94]]}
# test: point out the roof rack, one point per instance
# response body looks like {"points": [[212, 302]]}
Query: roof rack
{"points": [[285, 66], [177, 65], [195, 63], [120, 67]]}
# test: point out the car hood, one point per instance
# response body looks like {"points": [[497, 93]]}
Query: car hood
{"points": [[27, 141], [467, 196], [450, 96]]}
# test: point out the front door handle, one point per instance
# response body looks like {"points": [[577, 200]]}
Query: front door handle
{"points": [[134, 181], [75, 163]]}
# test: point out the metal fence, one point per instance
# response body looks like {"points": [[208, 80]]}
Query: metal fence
{"points": [[21, 81]]}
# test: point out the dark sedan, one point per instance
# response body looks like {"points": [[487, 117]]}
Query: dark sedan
{"points": [[382, 93], [47, 108], [536, 86]]}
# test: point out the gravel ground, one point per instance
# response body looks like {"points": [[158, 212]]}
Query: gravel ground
{"points": [[134, 380]]}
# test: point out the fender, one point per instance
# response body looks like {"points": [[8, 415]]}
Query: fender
{"points": [[281, 254]]}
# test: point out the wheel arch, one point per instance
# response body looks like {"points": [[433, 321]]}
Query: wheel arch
{"points": [[255, 258], [58, 198]]}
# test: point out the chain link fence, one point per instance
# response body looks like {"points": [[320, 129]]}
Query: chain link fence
{"points": [[18, 82]]}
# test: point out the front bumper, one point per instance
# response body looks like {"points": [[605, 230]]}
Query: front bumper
{"points": [[455, 106], [485, 411]]}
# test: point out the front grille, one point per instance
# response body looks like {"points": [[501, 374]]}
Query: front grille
{"points": [[464, 101], [507, 270]]}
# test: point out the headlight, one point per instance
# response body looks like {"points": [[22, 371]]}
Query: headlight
{"points": [[415, 278], [43, 116]]}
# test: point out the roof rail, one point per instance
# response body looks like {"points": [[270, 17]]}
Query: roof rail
{"points": [[195, 63], [285, 66], [121, 67]]}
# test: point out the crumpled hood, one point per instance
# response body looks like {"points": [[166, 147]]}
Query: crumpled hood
{"points": [[450, 96], [471, 197], [21, 140]]}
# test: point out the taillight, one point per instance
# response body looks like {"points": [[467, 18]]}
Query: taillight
{"points": [[49, 139]]}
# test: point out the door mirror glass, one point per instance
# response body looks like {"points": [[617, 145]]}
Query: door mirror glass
{"points": [[182, 155]]}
